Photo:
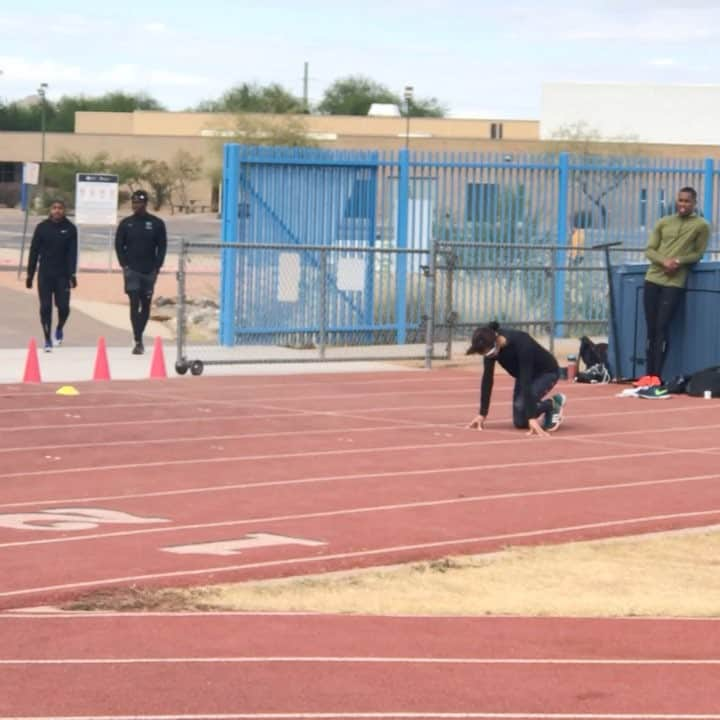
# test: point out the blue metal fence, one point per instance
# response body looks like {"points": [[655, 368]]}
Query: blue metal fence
{"points": [[498, 214]]}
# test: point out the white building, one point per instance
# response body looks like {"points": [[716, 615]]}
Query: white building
{"points": [[673, 114]]}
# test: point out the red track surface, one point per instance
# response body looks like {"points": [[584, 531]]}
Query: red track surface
{"points": [[101, 490]]}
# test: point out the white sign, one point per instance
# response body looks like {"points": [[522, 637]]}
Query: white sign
{"points": [[72, 519], [31, 173], [96, 199], [288, 277], [233, 547], [351, 274]]}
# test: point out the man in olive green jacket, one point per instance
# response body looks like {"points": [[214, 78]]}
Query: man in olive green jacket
{"points": [[677, 242]]}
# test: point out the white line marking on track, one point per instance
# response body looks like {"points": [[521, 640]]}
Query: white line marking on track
{"points": [[361, 553], [344, 512], [380, 508], [342, 478], [364, 451], [429, 715], [359, 659]]}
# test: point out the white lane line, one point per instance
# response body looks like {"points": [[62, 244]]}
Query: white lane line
{"points": [[304, 560], [428, 715], [350, 511], [343, 660], [467, 408], [342, 478], [237, 436]]}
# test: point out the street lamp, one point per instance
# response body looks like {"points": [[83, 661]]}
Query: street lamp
{"points": [[41, 94], [408, 96]]}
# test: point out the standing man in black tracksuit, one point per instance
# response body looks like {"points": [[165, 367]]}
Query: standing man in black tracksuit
{"points": [[140, 245], [54, 247]]}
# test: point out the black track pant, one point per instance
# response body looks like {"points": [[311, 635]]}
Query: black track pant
{"points": [[660, 303], [55, 288], [139, 313], [540, 387]]}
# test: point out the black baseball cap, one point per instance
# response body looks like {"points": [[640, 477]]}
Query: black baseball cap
{"points": [[139, 196]]}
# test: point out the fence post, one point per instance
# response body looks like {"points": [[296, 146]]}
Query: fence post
{"points": [[229, 234], [430, 307], [323, 299], [708, 188], [560, 255], [180, 329], [401, 244]]}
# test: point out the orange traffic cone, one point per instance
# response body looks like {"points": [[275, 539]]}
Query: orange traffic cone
{"points": [[157, 366], [32, 365], [102, 367]]}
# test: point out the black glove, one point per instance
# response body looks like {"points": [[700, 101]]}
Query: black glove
{"points": [[28, 282], [73, 281]]}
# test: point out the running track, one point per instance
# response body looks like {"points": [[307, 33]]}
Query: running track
{"points": [[135, 483]]}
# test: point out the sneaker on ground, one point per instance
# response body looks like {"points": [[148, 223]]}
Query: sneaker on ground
{"points": [[48, 346], [58, 336], [556, 419], [654, 393], [647, 381], [139, 349]]}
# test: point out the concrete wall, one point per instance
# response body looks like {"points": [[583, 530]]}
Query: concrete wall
{"points": [[193, 124]]}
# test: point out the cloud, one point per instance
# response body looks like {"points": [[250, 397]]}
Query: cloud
{"points": [[662, 62]]}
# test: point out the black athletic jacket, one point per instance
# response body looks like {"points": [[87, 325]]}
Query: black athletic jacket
{"points": [[141, 243], [54, 246], [524, 359]]}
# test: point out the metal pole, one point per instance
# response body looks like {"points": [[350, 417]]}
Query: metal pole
{"points": [[450, 313], [552, 324], [408, 95], [180, 330], [41, 92], [24, 236], [430, 327], [323, 303]]}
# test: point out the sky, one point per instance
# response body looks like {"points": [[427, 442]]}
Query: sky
{"points": [[479, 59]]}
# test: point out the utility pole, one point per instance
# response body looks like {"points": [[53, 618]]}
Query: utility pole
{"points": [[306, 84], [41, 93], [408, 95]]}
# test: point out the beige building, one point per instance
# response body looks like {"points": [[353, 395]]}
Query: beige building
{"points": [[159, 136]]}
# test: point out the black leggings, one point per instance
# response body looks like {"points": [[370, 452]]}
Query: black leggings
{"points": [[540, 387], [139, 313], [660, 303], [57, 287]]}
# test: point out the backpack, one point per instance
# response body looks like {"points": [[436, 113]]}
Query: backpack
{"points": [[593, 353], [679, 384], [703, 380], [595, 359], [595, 374]]}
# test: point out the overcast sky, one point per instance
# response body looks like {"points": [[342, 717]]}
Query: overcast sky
{"points": [[478, 59]]}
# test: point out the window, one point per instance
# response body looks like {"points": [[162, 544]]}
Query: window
{"points": [[496, 131], [10, 172]]}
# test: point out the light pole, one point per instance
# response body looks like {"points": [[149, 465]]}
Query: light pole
{"points": [[408, 96], [41, 94]]}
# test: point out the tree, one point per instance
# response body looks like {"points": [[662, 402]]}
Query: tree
{"points": [[184, 169], [425, 107], [60, 115], [353, 95], [253, 98], [588, 147], [159, 177], [60, 173]]}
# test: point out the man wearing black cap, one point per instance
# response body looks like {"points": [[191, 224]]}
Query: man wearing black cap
{"points": [[140, 245], [54, 247]]}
